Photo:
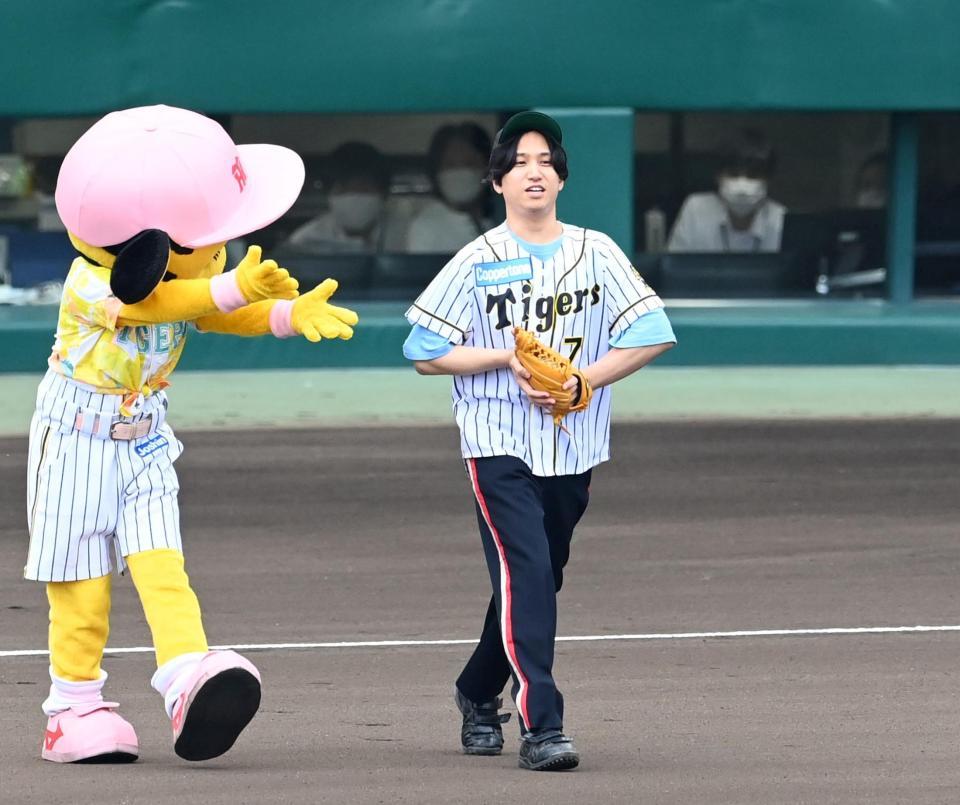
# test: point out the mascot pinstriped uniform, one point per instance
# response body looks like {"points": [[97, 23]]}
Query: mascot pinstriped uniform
{"points": [[149, 196]]}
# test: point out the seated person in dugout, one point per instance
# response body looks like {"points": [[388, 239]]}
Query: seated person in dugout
{"points": [[360, 218], [738, 217], [460, 210]]}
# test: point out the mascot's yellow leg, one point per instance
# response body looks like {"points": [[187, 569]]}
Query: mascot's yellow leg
{"points": [[169, 603], [79, 625]]}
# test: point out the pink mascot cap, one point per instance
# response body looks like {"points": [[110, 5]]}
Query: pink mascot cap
{"points": [[160, 167]]}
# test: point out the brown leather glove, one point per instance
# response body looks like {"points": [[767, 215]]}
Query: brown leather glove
{"points": [[549, 370]]}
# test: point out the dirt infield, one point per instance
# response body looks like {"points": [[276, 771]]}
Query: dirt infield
{"points": [[367, 535]]}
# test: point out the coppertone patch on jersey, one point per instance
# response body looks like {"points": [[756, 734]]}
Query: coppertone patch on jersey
{"points": [[502, 271]]}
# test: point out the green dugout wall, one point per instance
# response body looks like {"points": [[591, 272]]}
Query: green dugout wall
{"points": [[421, 55], [589, 63]]}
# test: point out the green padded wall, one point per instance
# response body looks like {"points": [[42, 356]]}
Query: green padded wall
{"points": [[422, 55]]}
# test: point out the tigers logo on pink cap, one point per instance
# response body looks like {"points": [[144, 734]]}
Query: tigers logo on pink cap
{"points": [[161, 167]]}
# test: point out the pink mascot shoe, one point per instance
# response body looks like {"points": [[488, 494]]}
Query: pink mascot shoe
{"points": [[218, 701], [92, 733]]}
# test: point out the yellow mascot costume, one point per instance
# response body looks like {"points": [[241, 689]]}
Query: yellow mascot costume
{"points": [[149, 196]]}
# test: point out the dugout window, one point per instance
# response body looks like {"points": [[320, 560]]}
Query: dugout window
{"points": [[378, 262], [820, 231], [414, 235], [937, 251]]}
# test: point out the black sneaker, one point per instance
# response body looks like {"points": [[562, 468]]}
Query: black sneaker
{"points": [[481, 733], [549, 750]]}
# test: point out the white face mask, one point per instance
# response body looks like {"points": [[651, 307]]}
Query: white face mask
{"points": [[872, 198], [356, 212], [460, 186], [742, 195]]}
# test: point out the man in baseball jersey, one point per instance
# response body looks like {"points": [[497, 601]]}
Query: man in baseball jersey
{"points": [[149, 197], [578, 293]]}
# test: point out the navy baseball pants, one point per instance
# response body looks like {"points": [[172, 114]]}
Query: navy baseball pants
{"points": [[526, 523]]}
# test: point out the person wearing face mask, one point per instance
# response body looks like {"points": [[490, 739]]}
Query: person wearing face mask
{"points": [[457, 163], [359, 218], [739, 216]]}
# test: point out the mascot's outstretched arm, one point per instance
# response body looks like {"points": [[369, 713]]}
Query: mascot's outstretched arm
{"points": [[310, 315], [252, 280]]}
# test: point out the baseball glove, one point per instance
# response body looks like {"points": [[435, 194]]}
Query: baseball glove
{"points": [[549, 370]]}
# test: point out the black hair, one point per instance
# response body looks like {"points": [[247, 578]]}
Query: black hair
{"points": [[470, 133], [751, 155], [504, 156], [358, 160]]}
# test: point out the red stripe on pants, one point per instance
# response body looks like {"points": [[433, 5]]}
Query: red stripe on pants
{"points": [[506, 620]]}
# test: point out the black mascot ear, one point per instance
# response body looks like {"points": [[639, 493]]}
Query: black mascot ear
{"points": [[140, 265]]}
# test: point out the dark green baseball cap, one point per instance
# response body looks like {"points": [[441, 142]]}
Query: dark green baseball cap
{"points": [[522, 122]]}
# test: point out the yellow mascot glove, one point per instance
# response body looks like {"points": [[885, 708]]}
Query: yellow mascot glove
{"points": [[253, 280], [263, 279], [315, 318], [312, 316]]}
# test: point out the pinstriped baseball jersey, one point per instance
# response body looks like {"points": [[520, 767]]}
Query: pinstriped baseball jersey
{"points": [[577, 301], [87, 495]]}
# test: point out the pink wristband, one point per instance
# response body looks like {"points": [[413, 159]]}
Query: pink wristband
{"points": [[281, 319], [225, 291]]}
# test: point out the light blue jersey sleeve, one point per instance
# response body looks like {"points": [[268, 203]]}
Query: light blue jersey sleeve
{"points": [[649, 329], [425, 345]]}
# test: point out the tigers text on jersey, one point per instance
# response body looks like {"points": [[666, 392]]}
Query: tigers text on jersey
{"points": [[576, 301]]}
